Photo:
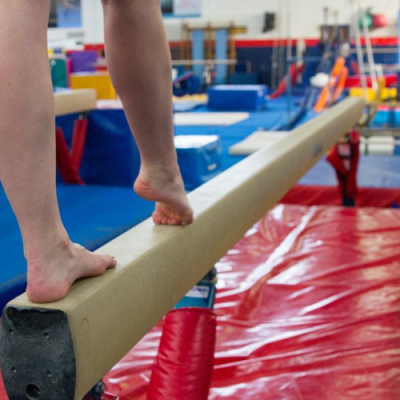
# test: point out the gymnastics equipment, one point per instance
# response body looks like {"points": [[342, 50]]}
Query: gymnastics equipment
{"points": [[359, 11], [311, 93], [60, 350], [59, 71], [100, 81], [379, 21], [344, 157], [237, 97], [184, 365], [367, 38], [209, 118], [332, 91], [294, 71], [84, 61], [74, 101], [320, 80], [186, 84], [199, 158], [256, 141]]}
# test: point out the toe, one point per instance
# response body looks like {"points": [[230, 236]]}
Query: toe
{"points": [[111, 262], [174, 221], [157, 217], [187, 219], [105, 262]]}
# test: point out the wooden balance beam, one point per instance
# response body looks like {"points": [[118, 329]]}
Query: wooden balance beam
{"points": [[59, 351], [74, 101]]}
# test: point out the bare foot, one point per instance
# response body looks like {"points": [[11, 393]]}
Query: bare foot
{"points": [[167, 190], [51, 275]]}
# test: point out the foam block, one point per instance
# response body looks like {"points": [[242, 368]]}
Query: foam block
{"points": [[199, 158], [100, 81], [84, 61], [209, 119], [237, 97]]}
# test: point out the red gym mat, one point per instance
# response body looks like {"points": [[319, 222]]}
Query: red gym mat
{"points": [[308, 308], [319, 195]]}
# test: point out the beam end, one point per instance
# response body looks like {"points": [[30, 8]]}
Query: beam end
{"points": [[39, 337]]}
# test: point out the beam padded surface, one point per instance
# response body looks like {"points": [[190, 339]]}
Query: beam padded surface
{"points": [[75, 101]]}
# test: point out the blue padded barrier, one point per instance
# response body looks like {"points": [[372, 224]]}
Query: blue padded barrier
{"points": [[111, 156], [199, 158], [237, 97]]}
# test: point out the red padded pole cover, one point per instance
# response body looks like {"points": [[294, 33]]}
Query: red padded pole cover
{"points": [[66, 167], [79, 141], [294, 72], [184, 365], [347, 178]]}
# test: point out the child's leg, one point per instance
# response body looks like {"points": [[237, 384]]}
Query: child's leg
{"points": [[27, 153], [139, 62]]}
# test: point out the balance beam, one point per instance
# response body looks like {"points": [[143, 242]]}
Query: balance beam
{"points": [[74, 101], [61, 350]]}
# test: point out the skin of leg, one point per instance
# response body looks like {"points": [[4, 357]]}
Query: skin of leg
{"points": [[139, 63], [27, 153]]}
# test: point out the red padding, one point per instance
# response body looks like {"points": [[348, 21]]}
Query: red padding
{"points": [[184, 365], [309, 195], [78, 141], [69, 162], [66, 167], [308, 307], [347, 179], [295, 71]]}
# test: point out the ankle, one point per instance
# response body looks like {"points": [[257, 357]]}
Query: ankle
{"points": [[156, 171], [38, 249]]}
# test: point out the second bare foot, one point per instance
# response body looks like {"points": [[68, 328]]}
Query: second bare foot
{"points": [[167, 190]]}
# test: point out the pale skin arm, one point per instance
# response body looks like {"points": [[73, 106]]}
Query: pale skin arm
{"points": [[27, 139]]}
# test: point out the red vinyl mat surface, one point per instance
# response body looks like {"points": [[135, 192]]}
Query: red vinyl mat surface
{"points": [[308, 308]]}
